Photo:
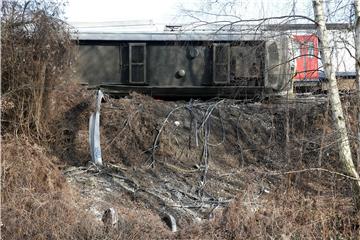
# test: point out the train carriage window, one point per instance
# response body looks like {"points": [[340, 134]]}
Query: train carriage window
{"points": [[311, 49], [297, 47], [221, 63], [137, 62]]}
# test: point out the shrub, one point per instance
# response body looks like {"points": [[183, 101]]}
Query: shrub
{"points": [[37, 51]]}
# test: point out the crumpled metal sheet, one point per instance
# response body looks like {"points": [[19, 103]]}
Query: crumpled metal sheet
{"points": [[94, 131]]}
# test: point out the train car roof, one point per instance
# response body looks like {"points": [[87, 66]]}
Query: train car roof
{"points": [[113, 32], [165, 36]]}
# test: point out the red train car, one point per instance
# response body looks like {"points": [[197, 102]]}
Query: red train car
{"points": [[306, 57]]}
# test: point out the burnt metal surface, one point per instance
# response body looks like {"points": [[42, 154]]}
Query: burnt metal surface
{"points": [[98, 64], [183, 67], [200, 91], [277, 67]]}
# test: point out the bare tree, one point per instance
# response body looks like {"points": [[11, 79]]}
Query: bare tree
{"points": [[357, 67], [335, 11], [336, 107]]}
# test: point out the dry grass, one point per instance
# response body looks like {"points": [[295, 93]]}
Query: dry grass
{"points": [[37, 204], [284, 214], [40, 136], [308, 205], [36, 51], [36, 200]]}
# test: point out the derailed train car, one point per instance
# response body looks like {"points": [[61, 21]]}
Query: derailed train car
{"points": [[185, 64]]}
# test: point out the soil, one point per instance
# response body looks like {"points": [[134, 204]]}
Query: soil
{"points": [[246, 147], [203, 162]]}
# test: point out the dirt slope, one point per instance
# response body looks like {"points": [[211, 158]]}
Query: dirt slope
{"points": [[207, 153], [221, 168]]}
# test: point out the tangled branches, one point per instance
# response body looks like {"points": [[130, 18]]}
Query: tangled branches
{"points": [[36, 52]]}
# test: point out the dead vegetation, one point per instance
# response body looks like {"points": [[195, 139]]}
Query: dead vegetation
{"points": [[224, 169], [252, 190], [36, 51], [263, 193], [36, 201], [282, 214]]}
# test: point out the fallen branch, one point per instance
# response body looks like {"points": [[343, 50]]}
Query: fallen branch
{"points": [[155, 144], [313, 169], [179, 169]]}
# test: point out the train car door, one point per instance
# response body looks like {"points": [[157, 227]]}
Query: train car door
{"points": [[306, 53]]}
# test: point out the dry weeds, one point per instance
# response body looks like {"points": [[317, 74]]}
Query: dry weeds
{"points": [[227, 158], [36, 51], [36, 201], [250, 161], [299, 205]]}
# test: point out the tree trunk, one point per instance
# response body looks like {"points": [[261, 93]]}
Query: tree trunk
{"points": [[338, 116], [357, 67]]}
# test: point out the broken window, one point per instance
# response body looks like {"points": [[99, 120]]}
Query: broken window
{"points": [[221, 63], [137, 62]]}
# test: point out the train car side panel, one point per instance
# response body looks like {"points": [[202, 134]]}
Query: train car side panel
{"points": [[278, 76]]}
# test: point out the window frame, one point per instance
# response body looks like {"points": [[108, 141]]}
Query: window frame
{"points": [[131, 63], [227, 63], [310, 49]]}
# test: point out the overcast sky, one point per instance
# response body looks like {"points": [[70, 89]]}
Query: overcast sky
{"points": [[115, 10], [169, 11], [172, 11]]}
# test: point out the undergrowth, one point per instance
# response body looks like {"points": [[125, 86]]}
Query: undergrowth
{"points": [[44, 128]]}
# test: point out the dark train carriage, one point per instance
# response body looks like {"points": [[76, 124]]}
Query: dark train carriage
{"points": [[184, 64]]}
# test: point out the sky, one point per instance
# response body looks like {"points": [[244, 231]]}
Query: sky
{"points": [[160, 11], [170, 11]]}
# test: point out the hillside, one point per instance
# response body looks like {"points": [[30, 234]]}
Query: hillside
{"points": [[221, 168]]}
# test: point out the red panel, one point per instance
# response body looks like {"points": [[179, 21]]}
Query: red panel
{"points": [[306, 54]]}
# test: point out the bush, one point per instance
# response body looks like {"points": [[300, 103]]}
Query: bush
{"points": [[37, 51]]}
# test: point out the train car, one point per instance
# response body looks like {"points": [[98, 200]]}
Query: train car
{"points": [[308, 70], [236, 62], [306, 57], [185, 64]]}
